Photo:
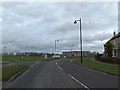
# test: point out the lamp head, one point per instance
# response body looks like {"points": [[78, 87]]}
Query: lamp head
{"points": [[75, 22]]}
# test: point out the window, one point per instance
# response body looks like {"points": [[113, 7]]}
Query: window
{"points": [[119, 39], [114, 53], [113, 42]]}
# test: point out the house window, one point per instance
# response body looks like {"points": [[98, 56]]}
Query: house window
{"points": [[119, 39], [113, 42], [114, 53]]}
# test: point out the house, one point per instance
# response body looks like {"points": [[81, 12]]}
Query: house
{"points": [[77, 54], [115, 40]]}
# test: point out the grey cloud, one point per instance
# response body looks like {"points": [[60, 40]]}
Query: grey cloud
{"points": [[35, 26], [64, 28], [98, 36]]}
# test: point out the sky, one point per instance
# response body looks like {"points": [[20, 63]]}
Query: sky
{"points": [[34, 26]]}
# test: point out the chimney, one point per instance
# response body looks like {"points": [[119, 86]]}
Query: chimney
{"points": [[114, 33]]}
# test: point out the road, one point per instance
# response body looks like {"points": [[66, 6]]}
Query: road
{"points": [[63, 74]]}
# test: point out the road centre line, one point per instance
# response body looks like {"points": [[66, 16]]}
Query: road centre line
{"points": [[59, 67], [31, 66], [34, 64], [74, 78], [79, 82]]}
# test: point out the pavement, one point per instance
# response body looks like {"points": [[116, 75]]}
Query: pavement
{"points": [[11, 63], [104, 63], [62, 74], [28, 63]]}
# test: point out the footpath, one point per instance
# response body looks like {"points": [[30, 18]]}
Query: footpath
{"points": [[104, 63]]}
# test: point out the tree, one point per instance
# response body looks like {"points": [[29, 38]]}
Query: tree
{"points": [[108, 49], [97, 56]]}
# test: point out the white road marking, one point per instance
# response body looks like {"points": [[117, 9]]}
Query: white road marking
{"points": [[59, 67], [31, 66], [74, 78], [34, 64], [79, 82]]}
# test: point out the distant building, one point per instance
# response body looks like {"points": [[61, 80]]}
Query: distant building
{"points": [[48, 54], [28, 54], [115, 40], [56, 55], [77, 54], [11, 54], [20, 54], [14, 53]]}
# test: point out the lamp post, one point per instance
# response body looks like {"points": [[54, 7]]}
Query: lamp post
{"points": [[92, 49], [51, 50], [71, 50], [4, 51], [55, 45], [80, 36], [71, 47]]}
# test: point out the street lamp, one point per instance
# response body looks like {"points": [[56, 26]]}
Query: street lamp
{"points": [[71, 50], [71, 47], [4, 51], [80, 36], [55, 45], [92, 49]]}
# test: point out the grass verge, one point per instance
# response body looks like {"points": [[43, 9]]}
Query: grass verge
{"points": [[10, 71], [17, 58], [91, 64]]}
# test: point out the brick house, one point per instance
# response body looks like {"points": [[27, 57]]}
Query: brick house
{"points": [[115, 40], [77, 54]]}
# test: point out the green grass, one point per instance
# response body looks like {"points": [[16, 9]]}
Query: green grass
{"points": [[10, 71], [17, 58], [91, 64]]}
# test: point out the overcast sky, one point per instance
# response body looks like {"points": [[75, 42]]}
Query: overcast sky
{"points": [[35, 26]]}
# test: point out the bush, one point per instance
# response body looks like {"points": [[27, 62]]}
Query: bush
{"points": [[112, 60]]}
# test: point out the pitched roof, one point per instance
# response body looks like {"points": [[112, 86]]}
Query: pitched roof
{"points": [[116, 36]]}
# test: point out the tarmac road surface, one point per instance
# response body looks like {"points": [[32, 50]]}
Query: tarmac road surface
{"points": [[63, 74]]}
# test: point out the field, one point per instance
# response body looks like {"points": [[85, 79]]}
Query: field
{"points": [[91, 64], [17, 58]]}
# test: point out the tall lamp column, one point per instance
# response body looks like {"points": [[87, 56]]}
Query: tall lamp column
{"points": [[80, 36]]}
